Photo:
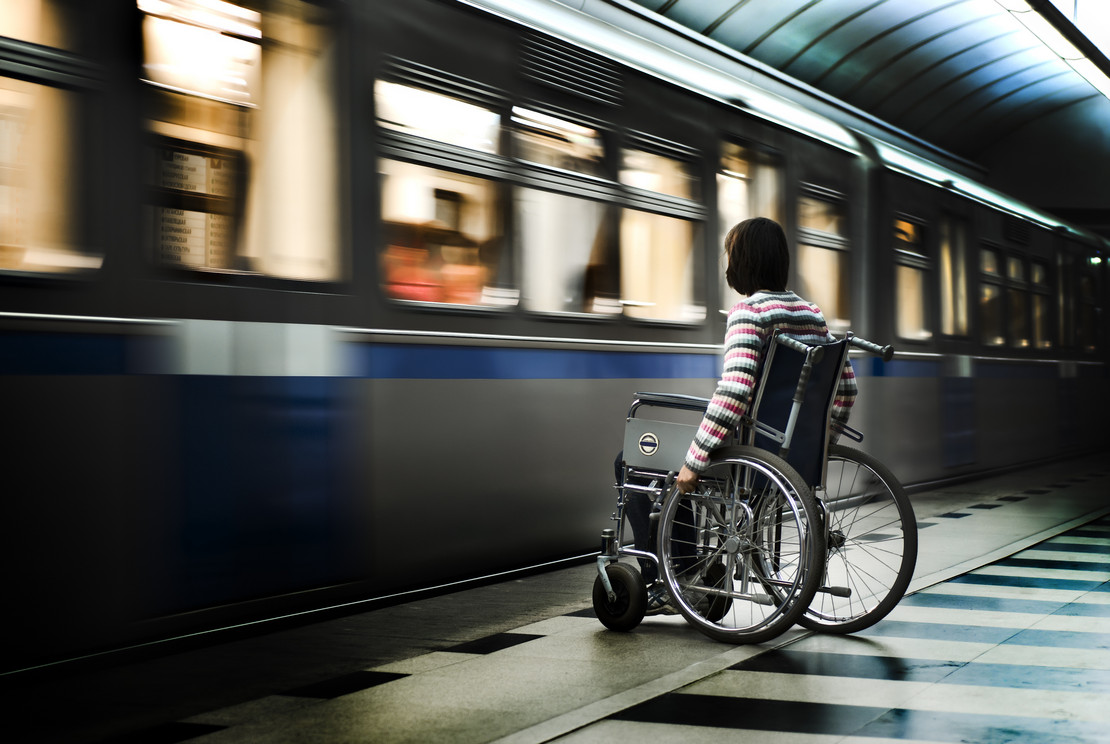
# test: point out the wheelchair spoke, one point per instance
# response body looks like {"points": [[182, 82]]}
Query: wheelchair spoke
{"points": [[872, 544], [738, 553]]}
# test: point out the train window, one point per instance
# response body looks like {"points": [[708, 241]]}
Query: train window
{"points": [[953, 277], [1077, 292], [824, 262], [911, 271], [749, 184], [566, 253], [657, 265], [442, 241], [823, 279], [820, 215], [1087, 326], [1066, 300], [435, 116], [911, 318], [909, 240], [1041, 330], [206, 63], [45, 22], [990, 314], [551, 141], [988, 262], [1017, 302], [1040, 274], [1042, 338], [663, 175], [39, 195], [992, 331]]}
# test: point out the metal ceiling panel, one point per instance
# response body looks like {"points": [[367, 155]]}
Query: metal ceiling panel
{"points": [[952, 72]]}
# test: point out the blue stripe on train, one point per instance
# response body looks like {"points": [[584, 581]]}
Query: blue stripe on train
{"points": [[433, 362], [875, 367]]}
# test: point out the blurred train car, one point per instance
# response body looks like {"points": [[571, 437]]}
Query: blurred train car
{"points": [[311, 303]]}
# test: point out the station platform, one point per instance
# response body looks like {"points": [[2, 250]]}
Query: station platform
{"points": [[1004, 637]]}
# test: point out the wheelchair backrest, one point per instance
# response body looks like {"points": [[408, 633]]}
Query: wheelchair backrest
{"points": [[773, 400]]}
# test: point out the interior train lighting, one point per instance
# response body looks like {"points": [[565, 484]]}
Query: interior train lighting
{"points": [[205, 48], [216, 15]]}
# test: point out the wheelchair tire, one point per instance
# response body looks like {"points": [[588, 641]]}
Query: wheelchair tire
{"points": [[872, 544], [626, 612], [742, 554]]}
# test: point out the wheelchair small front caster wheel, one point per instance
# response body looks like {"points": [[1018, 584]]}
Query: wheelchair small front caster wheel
{"points": [[626, 611]]}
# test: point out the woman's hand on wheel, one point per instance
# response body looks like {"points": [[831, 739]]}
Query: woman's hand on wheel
{"points": [[686, 481]]}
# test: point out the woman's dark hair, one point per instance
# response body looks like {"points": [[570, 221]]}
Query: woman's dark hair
{"points": [[758, 257]]}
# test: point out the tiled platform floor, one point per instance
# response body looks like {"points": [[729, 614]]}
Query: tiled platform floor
{"points": [[1006, 638]]}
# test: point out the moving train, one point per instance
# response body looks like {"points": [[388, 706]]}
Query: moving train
{"points": [[312, 304]]}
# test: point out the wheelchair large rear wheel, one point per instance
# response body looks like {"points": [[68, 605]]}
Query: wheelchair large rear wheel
{"points": [[742, 554], [872, 544]]}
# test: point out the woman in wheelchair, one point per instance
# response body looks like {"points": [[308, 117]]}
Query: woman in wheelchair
{"points": [[762, 521], [758, 267]]}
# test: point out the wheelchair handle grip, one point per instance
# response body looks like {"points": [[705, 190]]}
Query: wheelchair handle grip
{"points": [[800, 346], [885, 352]]}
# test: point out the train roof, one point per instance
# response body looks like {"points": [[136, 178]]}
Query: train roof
{"points": [[834, 71]]}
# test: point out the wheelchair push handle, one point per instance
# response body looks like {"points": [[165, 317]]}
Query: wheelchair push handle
{"points": [[813, 350], [886, 353]]}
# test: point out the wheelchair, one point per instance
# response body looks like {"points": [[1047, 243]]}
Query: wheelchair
{"points": [[785, 527]]}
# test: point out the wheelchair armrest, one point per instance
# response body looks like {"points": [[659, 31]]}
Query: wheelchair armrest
{"points": [[668, 400]]}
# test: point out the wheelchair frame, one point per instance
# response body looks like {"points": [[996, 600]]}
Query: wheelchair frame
{"points": [[788, 557]]}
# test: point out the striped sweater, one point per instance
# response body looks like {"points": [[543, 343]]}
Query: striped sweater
{"points": [[750, 326]]}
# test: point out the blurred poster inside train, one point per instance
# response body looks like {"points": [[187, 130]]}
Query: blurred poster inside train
{"points": [[242, 162]]}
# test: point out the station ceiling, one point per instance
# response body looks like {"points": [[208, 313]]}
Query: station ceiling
{"points": [[968, 76]]}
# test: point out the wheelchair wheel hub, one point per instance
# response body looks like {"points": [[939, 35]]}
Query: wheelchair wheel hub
{"points": [[732, 545]]}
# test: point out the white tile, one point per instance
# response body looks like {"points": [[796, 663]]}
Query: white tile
{"points": [[907, 648], [562, 624], [1068, 658], [957, 616], [1074, 624], [1006, 701], [260, 709], [1008, 592], [424, 662]]}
